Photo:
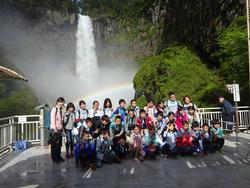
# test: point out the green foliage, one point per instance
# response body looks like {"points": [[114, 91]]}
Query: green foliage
{"points": [[233, 54], [141, 101], [15, 97], [180, 70], [116, 8]]}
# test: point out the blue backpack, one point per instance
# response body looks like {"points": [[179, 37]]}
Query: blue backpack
{"points": [[47, 120]]}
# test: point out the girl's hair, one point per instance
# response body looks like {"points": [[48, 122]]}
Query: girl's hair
{"points": [[175, 130], [70, 105], [60, 99], [82, 102], [170, 114], [105, 103], [180, 108], [186, 96], [105, 118], [95, 101]]}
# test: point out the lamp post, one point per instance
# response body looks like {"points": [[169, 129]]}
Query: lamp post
{"points": [[248, 38]]}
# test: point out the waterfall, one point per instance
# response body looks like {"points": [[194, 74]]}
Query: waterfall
{"points": [[86, 60]]}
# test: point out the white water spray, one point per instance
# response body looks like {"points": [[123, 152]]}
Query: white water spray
{"points": [[86, 60]]}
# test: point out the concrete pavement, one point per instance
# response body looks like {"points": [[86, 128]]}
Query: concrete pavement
{"points": [[33, 168]]}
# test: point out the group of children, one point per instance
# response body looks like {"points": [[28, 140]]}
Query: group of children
{"points": [[98, 136]]}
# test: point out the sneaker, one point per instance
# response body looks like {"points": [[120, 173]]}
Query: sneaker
{"points": [[62, 159], [136, 160]]}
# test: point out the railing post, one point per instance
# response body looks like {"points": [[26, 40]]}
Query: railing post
{"points": [[41, 126]]}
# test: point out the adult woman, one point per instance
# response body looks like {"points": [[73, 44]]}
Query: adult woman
{"points": [[187, 103]]}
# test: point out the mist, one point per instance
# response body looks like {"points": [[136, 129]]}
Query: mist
{"points": [[45, 55]]}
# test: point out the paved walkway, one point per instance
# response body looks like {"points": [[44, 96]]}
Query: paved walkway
{"points": [[33, 168]]}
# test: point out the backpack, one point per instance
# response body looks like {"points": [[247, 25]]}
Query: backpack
{"points": [[47, 120]]}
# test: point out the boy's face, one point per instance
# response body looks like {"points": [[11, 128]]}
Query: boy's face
{"points": [[159, 118], [89, 124], [131, 113], [123, 104], [221, 100], [104, 122], [205, 129], [133, 104], [83, 106], [143, 115], [136, 130], [217, 125], [196, 128], [172, 97], [118, 121], [105, 135], [186, 126]]}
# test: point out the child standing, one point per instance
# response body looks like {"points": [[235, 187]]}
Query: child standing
{"points": [[81, 114], [121, 111], [95, 111], [151, 110], [160, 123], [134, 107], [107, 107], [196, 136], [69, 124]]}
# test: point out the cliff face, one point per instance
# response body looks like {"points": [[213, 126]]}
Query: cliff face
{"points": [[198, 21]]}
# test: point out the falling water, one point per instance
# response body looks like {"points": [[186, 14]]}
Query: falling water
{"points": [[86, 60]]}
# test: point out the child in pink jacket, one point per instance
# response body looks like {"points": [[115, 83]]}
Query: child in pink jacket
{"points": [[180, 116]]}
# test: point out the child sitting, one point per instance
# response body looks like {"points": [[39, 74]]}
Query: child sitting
{"points": [[136, 145], [152, 144], [208, 140], [218, 132], [196, 136], [130, 122], [104, 151], [160, 123], [180, 116], [184, 140], [170, 118], [85, 152], [144, 121], [117, 134], [169, 136], [105, 124]]}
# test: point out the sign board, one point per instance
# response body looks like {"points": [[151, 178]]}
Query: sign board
{"points": [[236, 92], [22, 119], [230, 88]]}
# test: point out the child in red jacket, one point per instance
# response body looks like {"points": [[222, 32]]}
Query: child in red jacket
{"points": [[144, 121], [184, 140]]}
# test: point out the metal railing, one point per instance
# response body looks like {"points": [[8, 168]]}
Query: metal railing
{"points": [[17, 128], [30, 127], [206, 115]]}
